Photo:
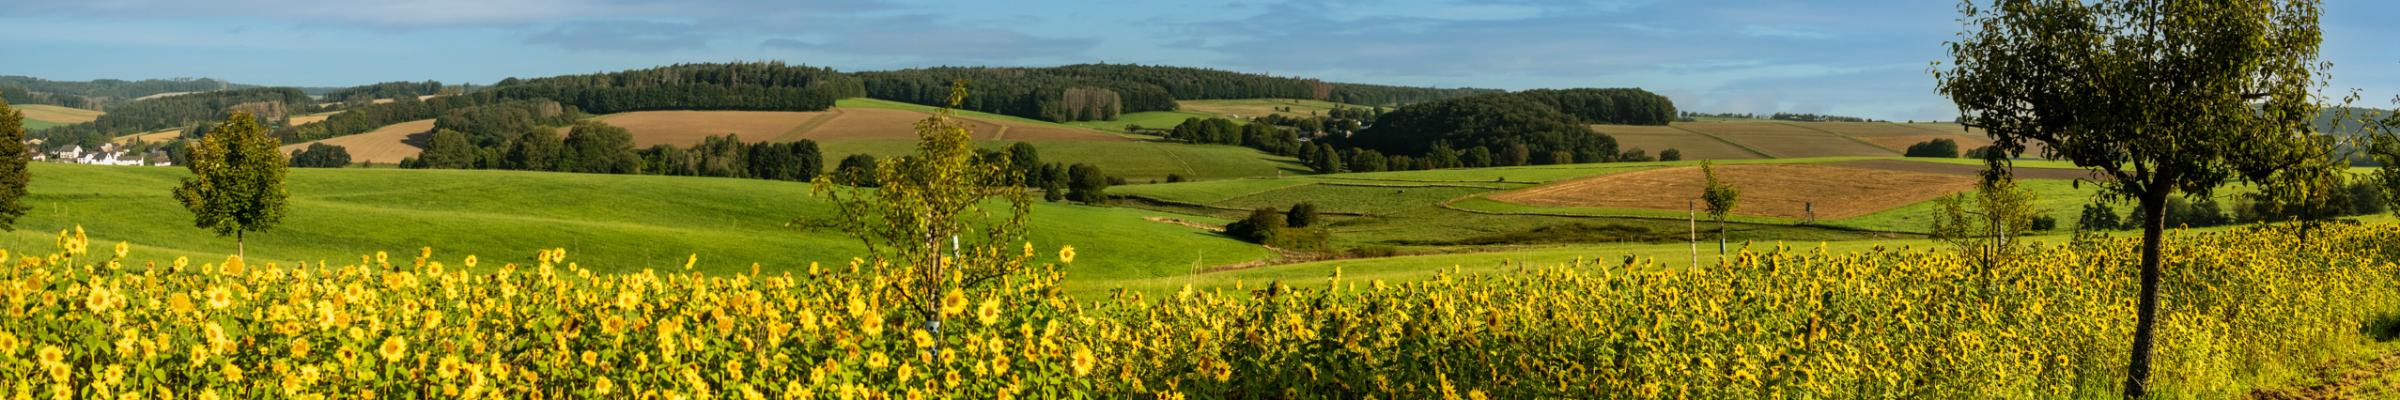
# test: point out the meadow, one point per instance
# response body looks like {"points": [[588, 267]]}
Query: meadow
{"points": [[504, 216]]}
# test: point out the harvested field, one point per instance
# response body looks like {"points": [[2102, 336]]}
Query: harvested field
{"points": [[298, 120], [1960, 169], [1655, 139], [1901, 143], [56, 114], [386, 145], [1787, 141], [1770, 190], [151, 136], [880, 123], [685, 128]]}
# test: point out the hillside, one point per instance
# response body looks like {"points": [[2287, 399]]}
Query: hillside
{"points": [[44, 116], [504, 216]]}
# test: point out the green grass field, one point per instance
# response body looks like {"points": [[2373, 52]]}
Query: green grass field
{"points": [[1140, 160], [1252, 108], [608, 222], [35, 124], [1147, 120]]}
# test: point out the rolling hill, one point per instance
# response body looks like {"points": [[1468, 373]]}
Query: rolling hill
{"points": [[611, 222]]}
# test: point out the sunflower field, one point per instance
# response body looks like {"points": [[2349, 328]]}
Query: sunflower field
{"points": [[2245, 308]]}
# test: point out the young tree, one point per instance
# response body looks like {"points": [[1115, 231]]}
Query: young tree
{"points": [[2160, 98], [237, 180], [1259, 227], [1984, 225], [934, 199], [1720, 198], [1303, 215], [1087, 184], [13, 173]]}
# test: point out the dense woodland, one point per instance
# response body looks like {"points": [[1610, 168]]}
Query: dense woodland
{"points": [[386, 90], [1513, 129], [767, 86], [1088, 92], [273, 105], [101, 94]]}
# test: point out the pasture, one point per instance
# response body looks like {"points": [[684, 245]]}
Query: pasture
{"points": [[686, 128], [55, 115], [612, 222], [1252, 108], [1769, 190]]}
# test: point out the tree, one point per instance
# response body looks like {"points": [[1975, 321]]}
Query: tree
{"points": [[928, 217], [13, 173], [1721, 198], [1984, 225], [1259, 227], [1026, 161], [1303, 215], [320, 155], [1670, 155], [856, 170], [1937, 148], [600, 148], [2098, 217], [448, 149], [237, 180], [1054, 182], [538, 149], [1086, 184], [2160, 98]]}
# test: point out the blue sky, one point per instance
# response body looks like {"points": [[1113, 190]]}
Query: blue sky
{"points": [[1851, 57]]}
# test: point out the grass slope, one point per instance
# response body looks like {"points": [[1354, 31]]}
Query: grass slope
{"points": [[609, 222]]}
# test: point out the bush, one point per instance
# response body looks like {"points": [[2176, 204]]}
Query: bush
{"points": [[2044, 223], [1670, 155], [2098, 217], [320, 155], [1937, 148], [1303, 215]]}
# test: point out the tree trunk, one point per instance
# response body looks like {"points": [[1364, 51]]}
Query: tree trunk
{"points": [[1720, 236], [239, 249], [2154, 226], [1694, 214]]}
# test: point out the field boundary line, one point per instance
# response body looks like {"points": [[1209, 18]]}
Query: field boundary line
{"points": [[1447, 205], [1744, 147], [1931, 129], [801, 132], [1844, 136]]}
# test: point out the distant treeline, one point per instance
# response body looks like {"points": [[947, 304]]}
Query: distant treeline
{"points": [[101, 94], [762, 86], [271, 105], [386, 90], [1087, 92], [1531, 127]]}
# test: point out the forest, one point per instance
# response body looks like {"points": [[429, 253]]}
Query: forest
{"points": [[1088, 92], [386, 90], [272, 105], [99, 94]]}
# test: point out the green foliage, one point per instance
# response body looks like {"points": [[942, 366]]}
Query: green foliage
{"points": [[1087, 184], [1937, 148], [937, 195], [1720, 197], [537, 149], [171, 112], [1303, 215], [237, 179], [1670, 155], [1622, 106], [13, 173], [857, 170], [1498, 122], [103, 94], [1984, 225], [2162, 98], [320, 155], [1102, 91], [2098, 217], [493, 125], [755, 86], [594, 147], [447, 149], [385, 90], [1256, 228]]}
